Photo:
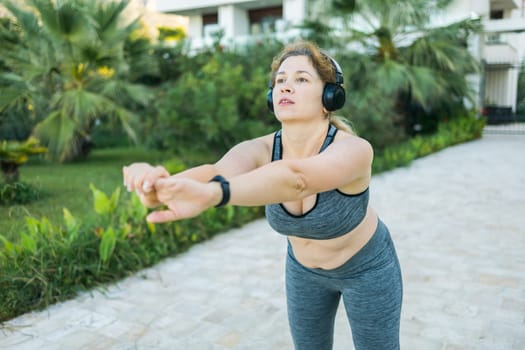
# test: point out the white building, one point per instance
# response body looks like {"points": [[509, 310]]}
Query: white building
{"points": [[238, 19], [501, 47], [503, 52]]}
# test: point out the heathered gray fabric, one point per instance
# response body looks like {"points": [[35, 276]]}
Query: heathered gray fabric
{"points": [[372, 290], [334, 213]]}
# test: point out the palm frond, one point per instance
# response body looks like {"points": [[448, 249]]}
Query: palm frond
{"points": [[83, 107], [25, 19], [64, 20], [13, 89], [122, 91], [126, 119], [424, 84], [57, 132], [110, 26], [392, 77]]}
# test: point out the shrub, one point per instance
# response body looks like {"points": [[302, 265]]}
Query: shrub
{"points": [[217, 96], [449, 133], [51, 262], [18, 193], [207, 110]]}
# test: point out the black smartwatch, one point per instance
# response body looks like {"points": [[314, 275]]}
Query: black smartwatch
{"points": [[225, 186]]}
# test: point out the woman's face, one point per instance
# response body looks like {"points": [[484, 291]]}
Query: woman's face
{"points": [[297, 92]]}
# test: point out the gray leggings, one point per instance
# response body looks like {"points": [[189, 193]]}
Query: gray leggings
{"points": [[371, 286]]}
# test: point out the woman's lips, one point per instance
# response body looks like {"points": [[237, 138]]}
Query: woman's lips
{"points": [[285, 101]]}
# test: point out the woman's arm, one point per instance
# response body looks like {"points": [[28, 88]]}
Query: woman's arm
{"points": [[246, 156], [342, 163]]}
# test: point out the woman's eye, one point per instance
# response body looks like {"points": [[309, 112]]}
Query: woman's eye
{"points": [[279, 81], [302, 80]]}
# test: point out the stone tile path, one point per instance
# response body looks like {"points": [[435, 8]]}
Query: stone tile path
{"points": [[458, 221]]}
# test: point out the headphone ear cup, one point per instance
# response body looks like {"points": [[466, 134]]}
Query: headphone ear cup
{"points": [[334, 96], [269, 100]]}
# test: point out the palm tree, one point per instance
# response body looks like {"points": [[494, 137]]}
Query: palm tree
{"points": [[16, 122], [399, 66], [73, 66]]}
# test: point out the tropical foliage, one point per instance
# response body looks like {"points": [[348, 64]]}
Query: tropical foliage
{"points": [[218, 97], [69, 64], [77, 254], [403, 74], [461, 129]]}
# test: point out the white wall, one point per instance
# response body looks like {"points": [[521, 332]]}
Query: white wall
{"points": [[185, 5], [294, 11], [233, 20], [195, 26]]}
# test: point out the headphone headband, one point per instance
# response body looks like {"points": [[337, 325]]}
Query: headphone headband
{"points": [[339, 77]]}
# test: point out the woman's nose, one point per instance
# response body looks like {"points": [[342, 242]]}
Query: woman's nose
{"points": [[285, 88]]}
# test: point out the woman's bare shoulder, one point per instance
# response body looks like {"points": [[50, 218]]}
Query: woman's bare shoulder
{"points": [[249, 154], [353, 143], [261, 144]]}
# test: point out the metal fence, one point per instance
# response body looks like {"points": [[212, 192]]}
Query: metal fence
{"points": [[509, 129], [501, 106]]}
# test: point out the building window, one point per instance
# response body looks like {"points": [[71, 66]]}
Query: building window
{"points": [[263, 21], [494, 39], [210, 24], [210, 18], [496, 14]]}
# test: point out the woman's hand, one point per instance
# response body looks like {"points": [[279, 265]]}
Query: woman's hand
{"points": [[184, 198], [141, 177]]}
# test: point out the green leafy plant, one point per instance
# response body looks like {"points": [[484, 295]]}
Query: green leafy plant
{"points": [[49, 262], [74, 62], [18, 193], [14, 154], [105, 207], [217, 97], [449, 133], [171, 33]]}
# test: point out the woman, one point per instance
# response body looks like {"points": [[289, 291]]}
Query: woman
{"points": [[313, 177]]}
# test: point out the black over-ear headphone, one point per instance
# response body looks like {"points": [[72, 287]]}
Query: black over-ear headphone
{"points": [[334, 95]]}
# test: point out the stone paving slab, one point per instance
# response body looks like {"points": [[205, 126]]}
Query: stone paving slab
{"points": [[458, 222]]}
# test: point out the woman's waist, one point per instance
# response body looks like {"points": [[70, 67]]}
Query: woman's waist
{"points": [[332, 253]]}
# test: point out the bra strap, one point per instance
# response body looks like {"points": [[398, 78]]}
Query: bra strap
{"points": [[276, 150], [332, 130], [277, 143]]}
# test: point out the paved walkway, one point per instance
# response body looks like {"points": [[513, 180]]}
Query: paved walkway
{"points": [[458, 221]]}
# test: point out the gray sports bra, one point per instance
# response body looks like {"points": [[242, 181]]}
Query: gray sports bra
{"points": [[333, 214]]}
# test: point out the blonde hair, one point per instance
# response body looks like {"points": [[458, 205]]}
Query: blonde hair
{"points": [[321, 63], [341, 123]]}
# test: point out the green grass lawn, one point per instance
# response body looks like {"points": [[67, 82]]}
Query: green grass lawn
{"points": [[67, 185]]}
